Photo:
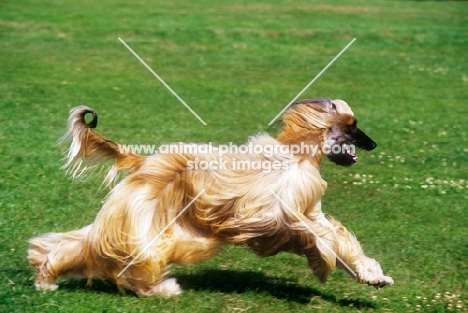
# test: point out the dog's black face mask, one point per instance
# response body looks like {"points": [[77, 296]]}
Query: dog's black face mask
{"points": [[342, 141]]}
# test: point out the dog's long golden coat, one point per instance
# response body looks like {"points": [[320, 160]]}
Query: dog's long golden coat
{"points": [[242, 207]]}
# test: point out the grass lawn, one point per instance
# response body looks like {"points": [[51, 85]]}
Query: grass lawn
{"points": [[237, 64]]}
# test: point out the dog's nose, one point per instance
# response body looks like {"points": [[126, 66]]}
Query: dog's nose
{"points": [[373, 145]]}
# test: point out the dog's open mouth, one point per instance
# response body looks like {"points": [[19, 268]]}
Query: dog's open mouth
{"points": [[350, 151], [345, 156]]}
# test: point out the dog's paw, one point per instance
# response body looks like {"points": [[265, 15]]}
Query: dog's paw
{"points": [[167, 288], [46, 286], [380, 282], [371, 273]]}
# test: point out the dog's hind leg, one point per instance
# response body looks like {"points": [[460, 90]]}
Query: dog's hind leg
{"points": [[145, 273], [55, 254], [180, 251], [187, 251], [183, 247], [148, 278]]}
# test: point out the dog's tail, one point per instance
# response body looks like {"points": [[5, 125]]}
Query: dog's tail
{"points": [[89, 149]]}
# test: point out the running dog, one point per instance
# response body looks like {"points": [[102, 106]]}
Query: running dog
{"points": [[164, 211]]}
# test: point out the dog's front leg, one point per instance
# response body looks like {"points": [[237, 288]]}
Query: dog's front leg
{"points": [[353, 260], [327, 244]]}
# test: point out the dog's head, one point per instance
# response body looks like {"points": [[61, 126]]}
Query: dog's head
{"points": [[330, 124]]}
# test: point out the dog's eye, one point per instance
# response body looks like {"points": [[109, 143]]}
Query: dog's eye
{"points": [[352, 127]]}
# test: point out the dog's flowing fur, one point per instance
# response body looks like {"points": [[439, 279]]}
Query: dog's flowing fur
{"points": [[237, 207]]}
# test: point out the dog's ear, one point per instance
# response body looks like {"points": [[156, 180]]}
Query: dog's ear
{"points": [[342, 107], [330, 105], [326, 104]]}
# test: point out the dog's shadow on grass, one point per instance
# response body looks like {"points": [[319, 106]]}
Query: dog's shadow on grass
{"points": [[227, 281]]}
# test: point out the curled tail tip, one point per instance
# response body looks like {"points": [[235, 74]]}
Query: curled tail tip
{"points": [[77, 122], [81, 111]]}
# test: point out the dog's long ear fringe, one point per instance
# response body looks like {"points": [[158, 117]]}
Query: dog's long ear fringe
{"points": [[89, 149]]}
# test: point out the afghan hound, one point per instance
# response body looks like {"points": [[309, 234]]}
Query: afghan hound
{"points": [[163, 209]]}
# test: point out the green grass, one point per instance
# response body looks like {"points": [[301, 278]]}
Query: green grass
{"points": [[237, 65]]}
